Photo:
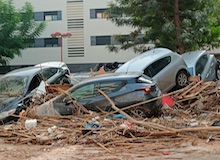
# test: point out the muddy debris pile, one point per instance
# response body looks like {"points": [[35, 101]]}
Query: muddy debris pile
{"points": [[191, 112]]}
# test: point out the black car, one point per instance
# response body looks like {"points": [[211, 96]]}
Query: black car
{"points": [[17, 86], [123, 89]]}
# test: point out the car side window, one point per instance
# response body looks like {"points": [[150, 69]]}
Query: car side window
{"points": [[49, 72], [35, 82], [157, 66], [111, 86], [148, 71], [201, 63], [83, 92]]}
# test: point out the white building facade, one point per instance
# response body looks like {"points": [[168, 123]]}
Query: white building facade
{"points": [[90, 30]]}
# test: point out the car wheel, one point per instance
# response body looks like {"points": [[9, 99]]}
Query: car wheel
{"points": [[141, 112], [218, 72], [181, 79]]}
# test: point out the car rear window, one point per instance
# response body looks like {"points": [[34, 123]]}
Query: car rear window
{"points": [[112, 86]]}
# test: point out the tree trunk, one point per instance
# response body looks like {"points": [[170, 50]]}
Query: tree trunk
{"points": [[180, 45]]}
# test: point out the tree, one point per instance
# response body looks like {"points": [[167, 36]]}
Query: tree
{"points": [[179, 25], [17, 28]]}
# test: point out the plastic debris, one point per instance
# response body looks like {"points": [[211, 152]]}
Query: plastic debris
{"points": [[126, 124], [167, 100], [217, 123], [52, 129], [30, 123], [165, 153], [116, 116], [91, 124]]}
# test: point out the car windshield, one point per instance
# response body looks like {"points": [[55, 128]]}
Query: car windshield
{"points": [[13, 85]]}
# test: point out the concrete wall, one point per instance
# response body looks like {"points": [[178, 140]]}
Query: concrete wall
{"points": [[92, 27], [36, 55]]}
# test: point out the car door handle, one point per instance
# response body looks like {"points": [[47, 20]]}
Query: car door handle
{"points": [[207, 75], [212, 64]]}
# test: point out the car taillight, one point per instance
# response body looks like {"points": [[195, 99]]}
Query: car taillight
{"points": [[147, 89]]}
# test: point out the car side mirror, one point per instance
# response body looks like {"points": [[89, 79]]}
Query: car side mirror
{"points": [[67, 100]]}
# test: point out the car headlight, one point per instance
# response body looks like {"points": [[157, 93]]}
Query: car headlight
{"points": [[7, 113]]}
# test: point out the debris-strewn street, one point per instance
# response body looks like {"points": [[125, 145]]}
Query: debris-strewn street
{"points": [[153, 150], [188, 128], [109, 80]]}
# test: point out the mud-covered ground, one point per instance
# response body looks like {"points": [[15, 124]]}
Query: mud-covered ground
{"points": [[182, 147], [170, 149]]}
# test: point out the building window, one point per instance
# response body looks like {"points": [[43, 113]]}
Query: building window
{"points": [[97, 13], [100, 40], [44, 42], [105, 40], [51, 42], [48, 16], [30, 44], [51, 16]]}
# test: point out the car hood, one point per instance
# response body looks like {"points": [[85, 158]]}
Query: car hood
{"points": [[7, 103]]}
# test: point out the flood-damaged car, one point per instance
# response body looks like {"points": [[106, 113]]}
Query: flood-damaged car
{"points": [[17, 86], [100, 68], [202, 64], [163, 65], [123, 89]]}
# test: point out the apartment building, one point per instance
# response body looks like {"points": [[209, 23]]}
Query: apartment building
{"points": [[90, 30]]}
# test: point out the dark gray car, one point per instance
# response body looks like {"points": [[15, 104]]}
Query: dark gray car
{"points": [[123, 89]]}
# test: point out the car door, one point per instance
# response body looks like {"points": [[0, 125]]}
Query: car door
{"points": [[85, 95], [205, 67], [161, 72], [117, 90]]}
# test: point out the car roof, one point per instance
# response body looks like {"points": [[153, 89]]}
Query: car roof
{"points": [[55, 64], [26, 71], [111, 76], [190, 58], [144, 59]]}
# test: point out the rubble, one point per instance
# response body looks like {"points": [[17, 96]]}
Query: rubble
{"points": [[195, 114]]}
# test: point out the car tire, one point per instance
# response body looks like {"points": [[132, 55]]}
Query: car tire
{"points": [[140, 111], [181, 79], [218, 71]]}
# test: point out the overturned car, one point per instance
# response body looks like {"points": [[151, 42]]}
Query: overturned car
{"points": [[18, 86]]}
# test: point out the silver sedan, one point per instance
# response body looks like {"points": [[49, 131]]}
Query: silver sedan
{"points": [[166, 67]]}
